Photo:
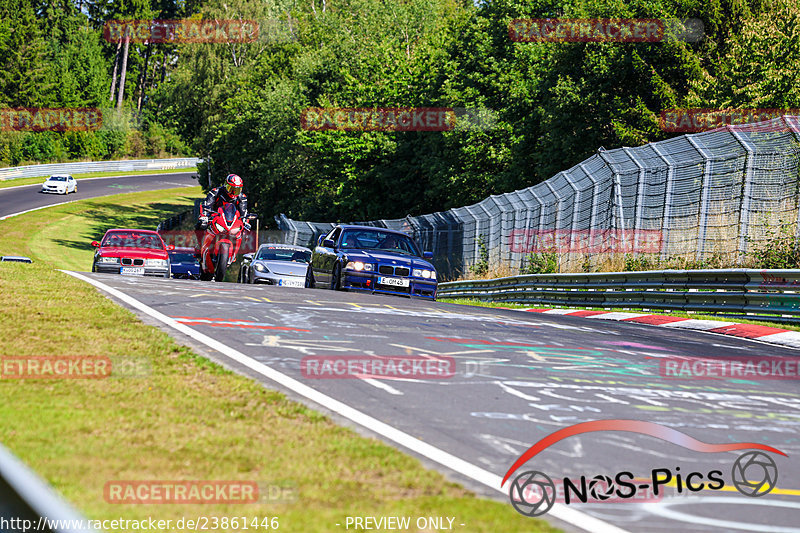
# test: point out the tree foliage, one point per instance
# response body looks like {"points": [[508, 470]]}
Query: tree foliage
{"points": [[238, 105]]}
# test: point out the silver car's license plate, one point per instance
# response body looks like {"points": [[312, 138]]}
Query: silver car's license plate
{"points": [[397, 282], [291, 283], [132, 271]]}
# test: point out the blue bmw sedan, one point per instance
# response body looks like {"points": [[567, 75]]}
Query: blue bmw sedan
{"points": [[370, 259]]}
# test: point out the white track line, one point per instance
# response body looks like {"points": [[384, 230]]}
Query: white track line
{"points": [[559, 511], [381, 385], [37, 208]]}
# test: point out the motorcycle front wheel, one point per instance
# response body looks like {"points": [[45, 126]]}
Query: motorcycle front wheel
{"points": [[222, 262]]}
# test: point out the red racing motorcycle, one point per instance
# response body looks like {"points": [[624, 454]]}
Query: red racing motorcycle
{"points": [[221, 241]]}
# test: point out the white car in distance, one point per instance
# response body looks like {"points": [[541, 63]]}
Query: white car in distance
{"points": [[63, 184]]}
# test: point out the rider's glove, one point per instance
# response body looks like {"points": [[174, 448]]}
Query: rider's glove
{"points": [[246, 226], [204, 221]]}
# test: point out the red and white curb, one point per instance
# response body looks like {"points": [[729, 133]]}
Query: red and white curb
{"points": [[782, 337]]}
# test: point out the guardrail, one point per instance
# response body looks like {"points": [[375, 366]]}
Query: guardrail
{"points": [[33, 171], [725, 290], [26, 500], [172, 222]]}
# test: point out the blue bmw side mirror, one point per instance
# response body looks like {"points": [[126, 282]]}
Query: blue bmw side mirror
{"points": [[427, 255]]}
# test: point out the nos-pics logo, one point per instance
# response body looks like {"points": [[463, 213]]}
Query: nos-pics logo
{"points": [[533, 493]]}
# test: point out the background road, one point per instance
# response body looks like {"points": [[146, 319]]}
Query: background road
{"points": [[24, 198], [519, 377]]}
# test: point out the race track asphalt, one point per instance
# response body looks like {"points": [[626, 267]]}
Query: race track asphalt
{"points": [[518, 377], [27, 197]]}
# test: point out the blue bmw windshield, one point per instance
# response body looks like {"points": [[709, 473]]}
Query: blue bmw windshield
{"points": [[365, 239]]}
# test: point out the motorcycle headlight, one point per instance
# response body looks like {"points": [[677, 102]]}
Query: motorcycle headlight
{"points": [[108, 260], [219, 227], [155, 262], [261, 268]]}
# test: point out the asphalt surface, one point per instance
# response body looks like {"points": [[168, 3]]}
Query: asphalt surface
{"points": [[27, 197], [518, 378]]}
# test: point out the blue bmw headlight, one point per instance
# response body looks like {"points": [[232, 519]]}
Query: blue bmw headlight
{"points": [[359, 266], [425, 274]]}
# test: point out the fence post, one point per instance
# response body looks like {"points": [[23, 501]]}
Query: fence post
{"points": [[637, 225], [595, 197], [575, 211], [747, 186], [669, 194], [618, 195], [704, 199], [793, 124]]}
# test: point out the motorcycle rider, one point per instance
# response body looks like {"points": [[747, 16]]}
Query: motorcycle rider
{"points": [[230, 192]]}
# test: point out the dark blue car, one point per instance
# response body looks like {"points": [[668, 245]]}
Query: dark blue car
{"points": [[184, 264], [369, 259]]}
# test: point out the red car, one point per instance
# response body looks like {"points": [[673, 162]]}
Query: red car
{"points": [[135, 252]]}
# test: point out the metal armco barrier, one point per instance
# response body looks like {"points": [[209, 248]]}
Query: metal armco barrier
{"points": [[172, 222], [27, 500], [725, 290], [34, 171]]}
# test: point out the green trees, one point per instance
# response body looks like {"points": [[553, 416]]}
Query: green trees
{"points": [[553, 103], [239, 104], [52, 54], [760, 66]]}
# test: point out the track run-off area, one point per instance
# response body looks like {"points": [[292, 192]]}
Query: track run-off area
{"points": [[515, 378]]}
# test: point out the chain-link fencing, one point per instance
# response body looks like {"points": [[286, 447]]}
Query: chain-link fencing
{"points": [[695, 196]]}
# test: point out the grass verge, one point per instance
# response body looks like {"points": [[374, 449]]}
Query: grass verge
{"points": [[14, 182], [699, 316], [186, 419]]}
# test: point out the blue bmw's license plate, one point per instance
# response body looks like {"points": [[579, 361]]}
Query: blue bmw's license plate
{"points": [[396, 282]]}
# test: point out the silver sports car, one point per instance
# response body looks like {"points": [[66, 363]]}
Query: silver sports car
{"points": [[276, 264]]}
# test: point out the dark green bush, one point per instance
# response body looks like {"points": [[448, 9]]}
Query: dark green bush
{"points": [[781, 249], [481, 267], [541, 263]]}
